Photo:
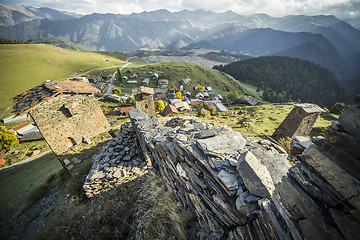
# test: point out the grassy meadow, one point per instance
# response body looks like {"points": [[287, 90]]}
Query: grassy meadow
{"points": [[24, 66], [17, 183]]}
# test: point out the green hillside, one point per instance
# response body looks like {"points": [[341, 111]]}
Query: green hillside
{"points": [[288, 79], [24, 66], [175, 71]]}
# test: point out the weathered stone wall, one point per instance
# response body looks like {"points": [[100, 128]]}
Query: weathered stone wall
{"points": [[298, 123], [120, 161], [240, 189], [76, 117], [145, 102]]}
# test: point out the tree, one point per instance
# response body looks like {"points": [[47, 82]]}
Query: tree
{"points": [[233, 96], [159, 105], [118, 74], [212, 110], [179, 95], [174, 87], [116, 91], [338, 108], [130, 101], [199, 89], [7, 138]]}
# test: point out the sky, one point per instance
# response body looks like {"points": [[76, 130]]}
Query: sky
{"points": [[277, 8]]}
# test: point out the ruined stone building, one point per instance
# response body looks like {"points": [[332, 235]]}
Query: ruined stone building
{"points": [[144, 100], [299, 122], [66, 113]]}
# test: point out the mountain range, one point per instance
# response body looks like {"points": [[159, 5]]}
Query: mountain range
{"points": [[325, 40]]}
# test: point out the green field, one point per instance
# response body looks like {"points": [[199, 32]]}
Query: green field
{"points": [[255, 120], [24, 66], [220, 82], [17, 182]]}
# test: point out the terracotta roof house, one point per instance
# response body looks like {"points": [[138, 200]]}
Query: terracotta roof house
{"points": [[24, 128], [144, 100], [65, 112], [161, 96], [125, 110], [170, 110], [196, 101]]}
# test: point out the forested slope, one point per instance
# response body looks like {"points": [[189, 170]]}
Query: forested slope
{"points": [[288, 79]]}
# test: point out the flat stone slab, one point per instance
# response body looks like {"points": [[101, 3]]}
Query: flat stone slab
{"points": [[230, 180], [255, 175], [222, 145]]}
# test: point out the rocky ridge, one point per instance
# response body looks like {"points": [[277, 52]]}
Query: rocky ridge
{"points": [[241, 189]]}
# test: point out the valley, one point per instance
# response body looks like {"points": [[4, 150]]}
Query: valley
{"points": [[206, 165]]}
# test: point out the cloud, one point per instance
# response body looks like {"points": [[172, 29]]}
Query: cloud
{"points": [[276, 8]]}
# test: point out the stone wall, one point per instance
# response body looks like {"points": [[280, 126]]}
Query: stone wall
{"points": [[241, 189], [68, 120], [119, 161], [145, 102], [299, 122], [75, 116]]}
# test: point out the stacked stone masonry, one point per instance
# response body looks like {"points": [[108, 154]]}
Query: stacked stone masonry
{"points": [[119, 161], [241, 189]]}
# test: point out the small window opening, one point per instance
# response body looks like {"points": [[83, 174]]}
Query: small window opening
{"points": [[146, 106], [66, 111], [69, 142]]}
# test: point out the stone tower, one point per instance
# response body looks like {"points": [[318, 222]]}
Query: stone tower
{"points": [[299, 122], [66, 113], [144, 100]]}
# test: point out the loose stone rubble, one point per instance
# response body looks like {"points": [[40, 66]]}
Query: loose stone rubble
{"points": [[120, 161], [241, 189]]}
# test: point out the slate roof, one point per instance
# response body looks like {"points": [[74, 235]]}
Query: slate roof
{"points": [[170, 109], [26, 101], [309, 108], [143, 89]]}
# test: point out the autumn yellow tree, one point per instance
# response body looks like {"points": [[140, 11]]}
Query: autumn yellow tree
{"points": [[199, 89], [7, 138], [179, 95], [159, 105]]}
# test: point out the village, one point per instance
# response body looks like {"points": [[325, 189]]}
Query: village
{"points": [[228, 181], [156, 92]]}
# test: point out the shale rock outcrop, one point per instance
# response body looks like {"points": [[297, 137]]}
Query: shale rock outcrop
{"points": [[241, 189]]}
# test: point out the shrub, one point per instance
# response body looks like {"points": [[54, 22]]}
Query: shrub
{"points": [[7, 138], [212, 110], [159, 106], [203, 113], [130, 101], [338, 108], [199, 89], [116, 91]]}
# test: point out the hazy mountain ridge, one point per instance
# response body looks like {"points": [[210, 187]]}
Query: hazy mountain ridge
{"points": [[336, 41], [12, 15]]}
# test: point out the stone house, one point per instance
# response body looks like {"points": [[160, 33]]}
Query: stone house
{"points": [[66, 113], [144, 100], [299, 122]]}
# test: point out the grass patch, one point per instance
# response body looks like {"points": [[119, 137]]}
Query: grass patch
{"points": [[18, 182], [24, 66], [140, 208]]}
